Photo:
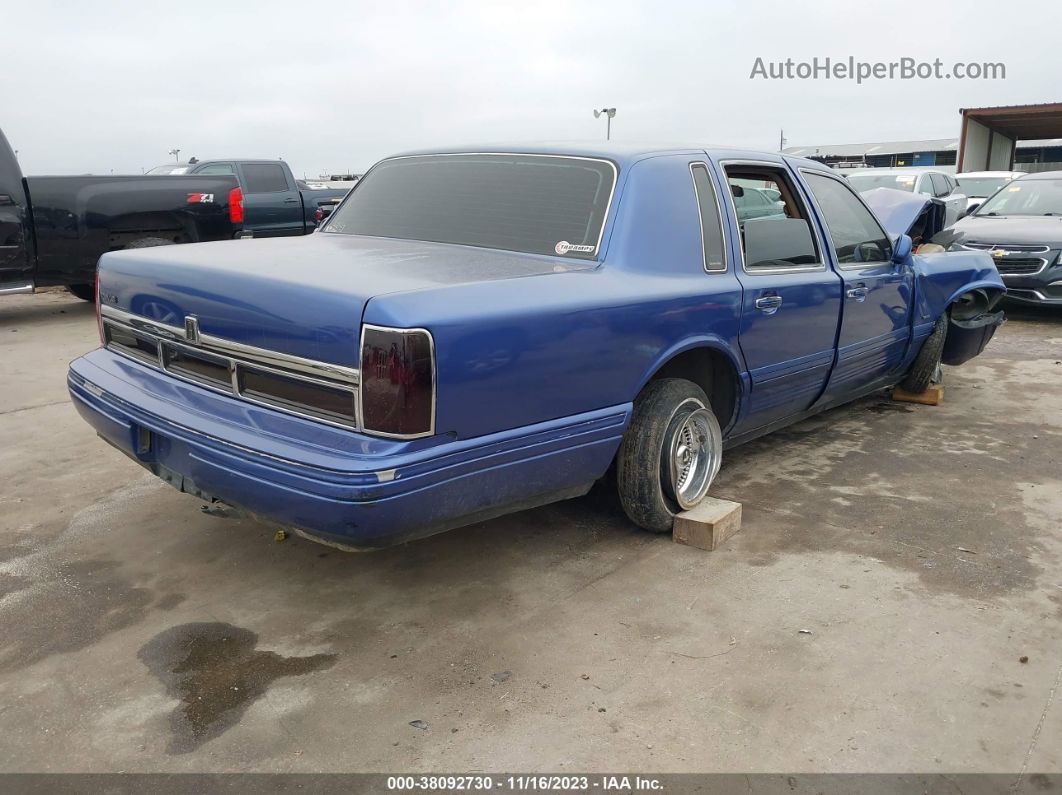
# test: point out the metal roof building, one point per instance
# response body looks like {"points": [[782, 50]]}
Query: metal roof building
{"points": [[1035, 155]]}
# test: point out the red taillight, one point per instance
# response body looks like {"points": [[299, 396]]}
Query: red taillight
{"points": [[318, 215], [236, 206], [397, 381], [99, 318]]}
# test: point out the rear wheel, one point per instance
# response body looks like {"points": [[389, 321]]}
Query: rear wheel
{"points": [[669, 455]]}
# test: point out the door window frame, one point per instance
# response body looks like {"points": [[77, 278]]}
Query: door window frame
{"points": [[795, 188]]}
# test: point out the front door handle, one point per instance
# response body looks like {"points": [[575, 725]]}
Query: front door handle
{"points": [[292, 200], [859, 293], [769, 304], [6, 200]]}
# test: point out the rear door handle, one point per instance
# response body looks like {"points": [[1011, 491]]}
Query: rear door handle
{"points": [[769, 304], [858, 293]]}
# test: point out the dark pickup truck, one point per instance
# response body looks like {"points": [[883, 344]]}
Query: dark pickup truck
{"points": [[275, 204], [54, 229]]}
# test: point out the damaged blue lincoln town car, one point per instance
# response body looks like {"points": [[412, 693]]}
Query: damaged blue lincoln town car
{"points": [[475, 332]]}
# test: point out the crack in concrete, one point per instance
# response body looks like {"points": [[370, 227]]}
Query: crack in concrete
{"points": [[1039, 728]]}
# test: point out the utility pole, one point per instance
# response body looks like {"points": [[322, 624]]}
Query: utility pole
{"points": [[609, 113], [781, 140]]}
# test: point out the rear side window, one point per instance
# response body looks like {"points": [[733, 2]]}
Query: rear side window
{"points": [[775, 226], [216, 168], [711, 230], [857, 236], [264, 178], [528, 203]]}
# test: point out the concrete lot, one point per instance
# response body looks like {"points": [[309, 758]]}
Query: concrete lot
{"points": [[920, 547]]}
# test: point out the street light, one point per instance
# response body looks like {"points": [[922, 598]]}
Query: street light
{"points": [[609, 113], [176, 154]]}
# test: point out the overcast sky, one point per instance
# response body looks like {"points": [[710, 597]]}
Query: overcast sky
{"points": [[330, 86]]}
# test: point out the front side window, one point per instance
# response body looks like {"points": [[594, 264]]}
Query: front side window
{"points": [[536, 204], [711, 230], [1025, 197], [941, 188], [264, 178], [775, 234], [857, 236]]}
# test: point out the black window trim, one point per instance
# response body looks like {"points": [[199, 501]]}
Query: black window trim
{"points": [[719, 213], [826, 227], [595, 254], [782, 166]]}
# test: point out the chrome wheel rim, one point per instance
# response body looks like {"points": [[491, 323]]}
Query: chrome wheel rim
{"points": [[694, 455]]}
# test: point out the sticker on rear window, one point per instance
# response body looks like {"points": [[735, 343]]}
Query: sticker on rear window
{"points": [[564, 247]]}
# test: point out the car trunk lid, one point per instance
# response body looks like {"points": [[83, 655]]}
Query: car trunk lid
{"points": [[301, 296]]}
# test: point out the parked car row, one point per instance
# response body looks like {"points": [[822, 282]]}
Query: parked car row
{"points": [[473, 333], [54, 229], [926, 181]]}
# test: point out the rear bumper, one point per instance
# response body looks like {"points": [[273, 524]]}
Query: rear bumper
{"points": [[331, 484]]}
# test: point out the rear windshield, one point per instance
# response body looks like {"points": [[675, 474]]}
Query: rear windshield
{"points": [[529, 203], [980, 187]]}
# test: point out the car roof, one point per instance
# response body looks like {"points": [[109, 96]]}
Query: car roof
{"points": [[979, 174], [621, 153], [903, 171], [1043, 175]]}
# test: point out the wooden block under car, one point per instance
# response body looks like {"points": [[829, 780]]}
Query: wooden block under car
{"points": [[708, 525], [933, 396]]}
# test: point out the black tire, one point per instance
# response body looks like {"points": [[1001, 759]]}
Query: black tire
{"points": [[641, 477], [86, 292], [925, 365], [150, 242]]}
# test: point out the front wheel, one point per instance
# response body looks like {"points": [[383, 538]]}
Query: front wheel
{"points": [[669, 455], [925, 366]]}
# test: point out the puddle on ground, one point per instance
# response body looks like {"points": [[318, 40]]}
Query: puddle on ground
{"points": [[215, 672]]}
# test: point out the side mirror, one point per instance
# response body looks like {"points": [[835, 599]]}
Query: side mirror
{"points": [[738, 191], [972, 209], [901, 250]]}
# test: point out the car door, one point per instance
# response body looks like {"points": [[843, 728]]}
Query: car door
{"points": [[272, 203], [875, 319], [790, 299]]}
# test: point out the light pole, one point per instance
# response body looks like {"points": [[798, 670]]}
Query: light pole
{"points": [[609, 113], [176, 154]]}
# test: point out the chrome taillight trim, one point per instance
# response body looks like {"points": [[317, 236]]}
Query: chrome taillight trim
{"points": [[434, 380], [165, 336]]}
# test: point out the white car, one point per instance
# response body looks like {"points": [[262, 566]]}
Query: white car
{"points": [[928, 181], [979, 185]]}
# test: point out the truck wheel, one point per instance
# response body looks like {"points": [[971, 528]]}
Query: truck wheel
{"points": [[86, 292], [669, 455], [926, 364], [149, 242]]}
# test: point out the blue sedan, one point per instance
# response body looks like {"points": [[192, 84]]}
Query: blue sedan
{"points": [[474, 332]]}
